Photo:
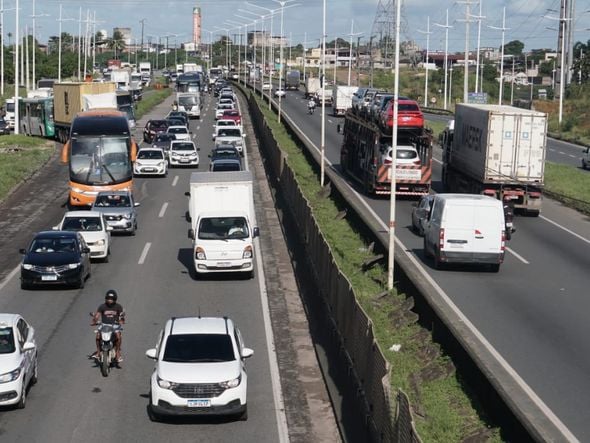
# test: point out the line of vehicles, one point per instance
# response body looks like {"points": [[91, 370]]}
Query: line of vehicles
{"points": [[199, 361]]}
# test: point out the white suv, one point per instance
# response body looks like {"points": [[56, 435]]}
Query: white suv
{"points": [[199, 369]]}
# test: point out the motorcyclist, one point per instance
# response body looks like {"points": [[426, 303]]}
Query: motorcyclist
{"points": [[509, 215], [112, 313], [311, 105], [175, 106]]}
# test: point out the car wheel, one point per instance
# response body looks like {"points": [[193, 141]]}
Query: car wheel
{"points": [[81, 282], [152, 415], [23, 398]]}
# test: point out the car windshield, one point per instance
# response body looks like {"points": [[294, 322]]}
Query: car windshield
{"points": [[114, 200], [221, 228], [199, 348], [82, 224], [7, 343], [229, 132], [177, 130], [183, 147], [408, 107], [232, 113], [150, 154], [225, 106], [159, 124], [47, 245], [225, 166], [224, 152]]}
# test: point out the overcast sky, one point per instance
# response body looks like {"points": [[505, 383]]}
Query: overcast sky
{"points": [[524, 18]]}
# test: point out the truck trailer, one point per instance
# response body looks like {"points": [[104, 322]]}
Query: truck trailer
{"points": [[498, 151], [342, 99], [221, 211]]}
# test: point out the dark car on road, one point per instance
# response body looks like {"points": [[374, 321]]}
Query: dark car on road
{"points": [[153, 127], [4, 127], [162, 140], [55, 257]]}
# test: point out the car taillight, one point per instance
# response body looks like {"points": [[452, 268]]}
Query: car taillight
{"points": [[374, 162], [417, 162], [387, 161], [503, 242], [441, 238]]}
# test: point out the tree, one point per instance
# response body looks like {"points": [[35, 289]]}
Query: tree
{"points": [[116, 42], [546, 68], [514, 47], [490, 72]]}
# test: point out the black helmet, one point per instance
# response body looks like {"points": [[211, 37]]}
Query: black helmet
{"points": [[112, 294]]}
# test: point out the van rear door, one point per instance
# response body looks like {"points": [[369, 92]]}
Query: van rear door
{"points": [[458, 221]]}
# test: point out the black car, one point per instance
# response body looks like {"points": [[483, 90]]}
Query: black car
{"points": [[152, 127], [173, 121], [55, 257], [179, 115], [4, 127], [162, 140], [225, 157]]}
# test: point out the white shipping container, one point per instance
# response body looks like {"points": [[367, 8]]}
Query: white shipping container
{"points": [[343, 99], [494, 143]]}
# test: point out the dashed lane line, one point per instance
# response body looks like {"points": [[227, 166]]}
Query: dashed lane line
{"points": [[144, 253], [163, 210], [175, 180]]}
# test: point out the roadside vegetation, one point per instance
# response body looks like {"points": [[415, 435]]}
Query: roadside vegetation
{"points": [[20, 157], [150, 101], [569, 185], [446, 412]]}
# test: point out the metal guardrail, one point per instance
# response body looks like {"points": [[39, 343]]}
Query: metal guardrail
{"points": [[511, 392]]}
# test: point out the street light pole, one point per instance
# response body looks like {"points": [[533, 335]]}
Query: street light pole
{"points": [[352, 34], [282, 62], [323, 84], [427, 32], [503, 29], [479, 18], [2, 46], [16, 71], [446, 26]]}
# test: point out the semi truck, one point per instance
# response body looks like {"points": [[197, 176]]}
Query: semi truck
{"points": [[498, 151], [342, 99], [223, 228], [292, 80], [190, 103], [121, 77], [70, 99], [366, 157], [145, 69]]}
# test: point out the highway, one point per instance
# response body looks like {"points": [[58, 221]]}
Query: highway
{"points": [[533, 312], [152, 273]]}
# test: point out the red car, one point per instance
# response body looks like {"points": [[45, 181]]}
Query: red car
{"points": [[409, 115], [232, 114]]}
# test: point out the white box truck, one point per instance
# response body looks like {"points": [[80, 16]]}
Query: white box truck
{"points": [[121, 78], [312, 86], [221, 211], [342, 97], [498, 151], [190, 103]]}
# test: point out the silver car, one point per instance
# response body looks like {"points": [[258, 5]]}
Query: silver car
{"points": [[119, 211]]}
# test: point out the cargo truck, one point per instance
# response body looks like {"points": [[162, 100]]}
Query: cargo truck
{"points": [[145, 69], [312, 86], [497, 151], [342, 97], [69, 99], [121, 78], [190, 103], [221, 212], [292, 80]]}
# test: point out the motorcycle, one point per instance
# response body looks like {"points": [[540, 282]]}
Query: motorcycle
{"points": [[310, 109], [508, 222], [106, 358]]}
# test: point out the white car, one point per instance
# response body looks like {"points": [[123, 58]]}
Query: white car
{"points": [[18, 360], [405, 155], [183, 153], [180, 132], [224, 123], [199, 369], [222, 107], [94, 230], [151, 161], [266, 86], [280, 93], [230, 135]]}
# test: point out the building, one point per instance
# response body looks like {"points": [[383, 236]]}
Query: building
{"points": [[125, 34], [263, 38], [196, 26]]}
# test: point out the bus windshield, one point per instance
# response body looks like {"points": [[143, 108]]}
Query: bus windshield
{"points": [[100, 160], [187, 100]]}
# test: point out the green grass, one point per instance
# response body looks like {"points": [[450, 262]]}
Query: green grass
{"points": [[569, 185], [448, 412], [437, 128], [20, 157], [148, 103]]}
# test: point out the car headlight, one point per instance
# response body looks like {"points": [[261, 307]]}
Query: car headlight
{"points": [[247, 252], [200, 254], [161, 164], [73, 265], [231, 383], [100, 242], [27, 266], [127, 216], [165, 384], [10, 376]]}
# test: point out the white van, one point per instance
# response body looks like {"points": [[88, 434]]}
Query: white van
{"points": [[465, 228]]}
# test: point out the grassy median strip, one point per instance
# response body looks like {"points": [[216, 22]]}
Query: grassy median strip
{"points": [[444, 410], [568, 184], [20, 156], [152, 100]]}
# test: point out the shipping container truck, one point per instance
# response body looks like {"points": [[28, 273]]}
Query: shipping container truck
{"points": [[312, 86], [223, 226], [292, 80], [69, 99], [366, 157], [342, 97], [498, 151]]}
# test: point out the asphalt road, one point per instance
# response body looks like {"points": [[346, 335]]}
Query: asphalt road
{"points": [[557, 151], [534, 311], [152, 273]]}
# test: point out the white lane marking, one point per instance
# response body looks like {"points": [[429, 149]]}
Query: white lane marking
{"points": [[518, 256], [562, 153], [175, 180], [330, 121], [572, 156], [9, 277], [552, 150], [144, 253], [198, 127], [524, 386], [569, 231], [163, 210]]}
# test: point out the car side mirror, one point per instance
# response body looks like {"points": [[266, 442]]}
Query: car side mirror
{"points": [[247, 353], [256, 232], [191, 234], [151, 353], [86, 250], [55, 228], [28, 346], [187, 193], [22, 251], [136, 204], [109, 228]]}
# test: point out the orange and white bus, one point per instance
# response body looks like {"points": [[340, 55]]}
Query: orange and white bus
{"points": [[100, 153]]}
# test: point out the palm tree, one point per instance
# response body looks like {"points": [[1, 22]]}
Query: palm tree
{"points": [[116, 43]]}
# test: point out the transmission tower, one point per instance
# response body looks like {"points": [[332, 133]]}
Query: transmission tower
{"points": [[383, 30]]}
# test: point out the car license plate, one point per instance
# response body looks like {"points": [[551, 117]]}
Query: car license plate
{"points": [[223, 264], [150, 169], [49, 278], [184, 160], [199, 403]]}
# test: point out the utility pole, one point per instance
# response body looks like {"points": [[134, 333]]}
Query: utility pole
{"points": [[467, 20], [479, 19], [503, 29], [427, 32], [446, 26], [80, 43], [512, 83], [142, 21], [2, 46], [351, 35]]}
